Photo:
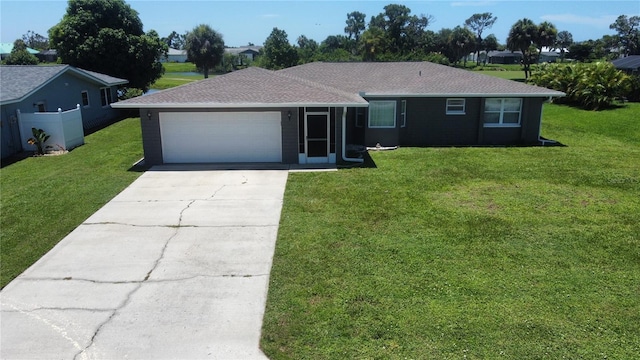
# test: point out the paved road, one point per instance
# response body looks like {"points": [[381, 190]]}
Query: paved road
{"points": [[176, 266]]}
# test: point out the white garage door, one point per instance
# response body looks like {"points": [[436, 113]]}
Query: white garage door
{"points": [[206, 137]]}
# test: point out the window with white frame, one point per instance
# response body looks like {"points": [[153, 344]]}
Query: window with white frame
{"points": [[85, 98], [105, 96], [456, 106], [382, 114], [502, 112], [403, 113]]}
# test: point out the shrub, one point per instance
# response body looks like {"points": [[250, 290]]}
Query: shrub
{"points": [[591, 86], [39, 139]]}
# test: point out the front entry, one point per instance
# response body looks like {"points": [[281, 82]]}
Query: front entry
{"points": [[317, 137]]}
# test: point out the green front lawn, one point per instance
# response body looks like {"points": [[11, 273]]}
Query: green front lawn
{"points": [[169, 80], [44, 198], [478, 253]]}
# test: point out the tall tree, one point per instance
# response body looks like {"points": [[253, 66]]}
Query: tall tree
{"points": [[373, 43], [442, 44], [462, 42], [175, 40], [521, 37], [478, 23], [628, 33], [20, 56], [355, 25], [489, 43], [307, 49], [106, 36], [403, 30], [205, 48], [35, 41], [545, 37], [581, 51], [563, 41], [278, 52]]}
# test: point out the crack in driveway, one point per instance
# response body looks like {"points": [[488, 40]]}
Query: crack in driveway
{"points": [[127, 299]]}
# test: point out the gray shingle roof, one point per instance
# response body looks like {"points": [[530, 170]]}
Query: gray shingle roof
{"points": [[21, 80], [337, 84], [412, 79], [251, 87], [631, 62]]}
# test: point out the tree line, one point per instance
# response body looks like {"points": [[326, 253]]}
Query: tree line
{"points": [[107, 36]]}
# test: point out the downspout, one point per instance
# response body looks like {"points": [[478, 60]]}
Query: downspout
{"points": [[540, 139], [344, 139]]}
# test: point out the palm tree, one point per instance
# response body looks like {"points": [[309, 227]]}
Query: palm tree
{"points": [[521, 37], [564, 39], [205, 48], [547, 34]]}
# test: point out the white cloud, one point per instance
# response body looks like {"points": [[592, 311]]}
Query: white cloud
{"points": [[269, 16], [600, 21], [472, 3]]}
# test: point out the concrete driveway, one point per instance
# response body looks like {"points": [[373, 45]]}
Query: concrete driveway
{"points": [[176, 266]]}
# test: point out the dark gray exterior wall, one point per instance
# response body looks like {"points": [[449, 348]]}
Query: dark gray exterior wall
{"points": [[152, 140], [428, 124], [382, 136], [289, 135], [526, 134]]}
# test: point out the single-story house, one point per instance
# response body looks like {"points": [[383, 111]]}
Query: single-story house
{"points": [[548, 57], [318, 112], [49, 56], [629, 64], [29, 89], [175, 55], [5, 50], [505, 57], [248, 52]]}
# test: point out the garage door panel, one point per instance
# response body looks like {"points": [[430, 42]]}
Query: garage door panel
{"points": [[221, 137]]}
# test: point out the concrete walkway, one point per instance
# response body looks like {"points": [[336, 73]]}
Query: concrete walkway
{"points": [[175, 267]]}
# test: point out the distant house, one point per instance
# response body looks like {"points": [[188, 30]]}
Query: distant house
{"points": [[247, 52], [49, 56], [29, 89], [504, 57], [5, 50], [323, 112], [175, 55], [629, 64]]}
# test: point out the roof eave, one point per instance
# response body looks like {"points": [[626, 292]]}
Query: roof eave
{"points": [[468, 95], [229, 105], [88, 76]]}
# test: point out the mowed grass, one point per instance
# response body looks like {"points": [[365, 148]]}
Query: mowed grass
{"points": [[44, 198], [476, 253], [174, 75], [517, 75]]}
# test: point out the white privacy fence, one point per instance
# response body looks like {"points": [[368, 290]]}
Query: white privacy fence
{"points": [[64, 127]]}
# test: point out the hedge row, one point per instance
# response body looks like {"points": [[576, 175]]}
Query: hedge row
{"points": [[592, 86]]}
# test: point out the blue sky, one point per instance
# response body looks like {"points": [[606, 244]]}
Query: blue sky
{"points": [[241, 22]]}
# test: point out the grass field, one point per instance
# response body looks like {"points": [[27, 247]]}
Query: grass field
{"points": [[174, 75], [517, 75], [44, 198], [476, 253]]}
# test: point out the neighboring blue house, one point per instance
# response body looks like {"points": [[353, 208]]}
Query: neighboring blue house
{"points": [[49, 88]]}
